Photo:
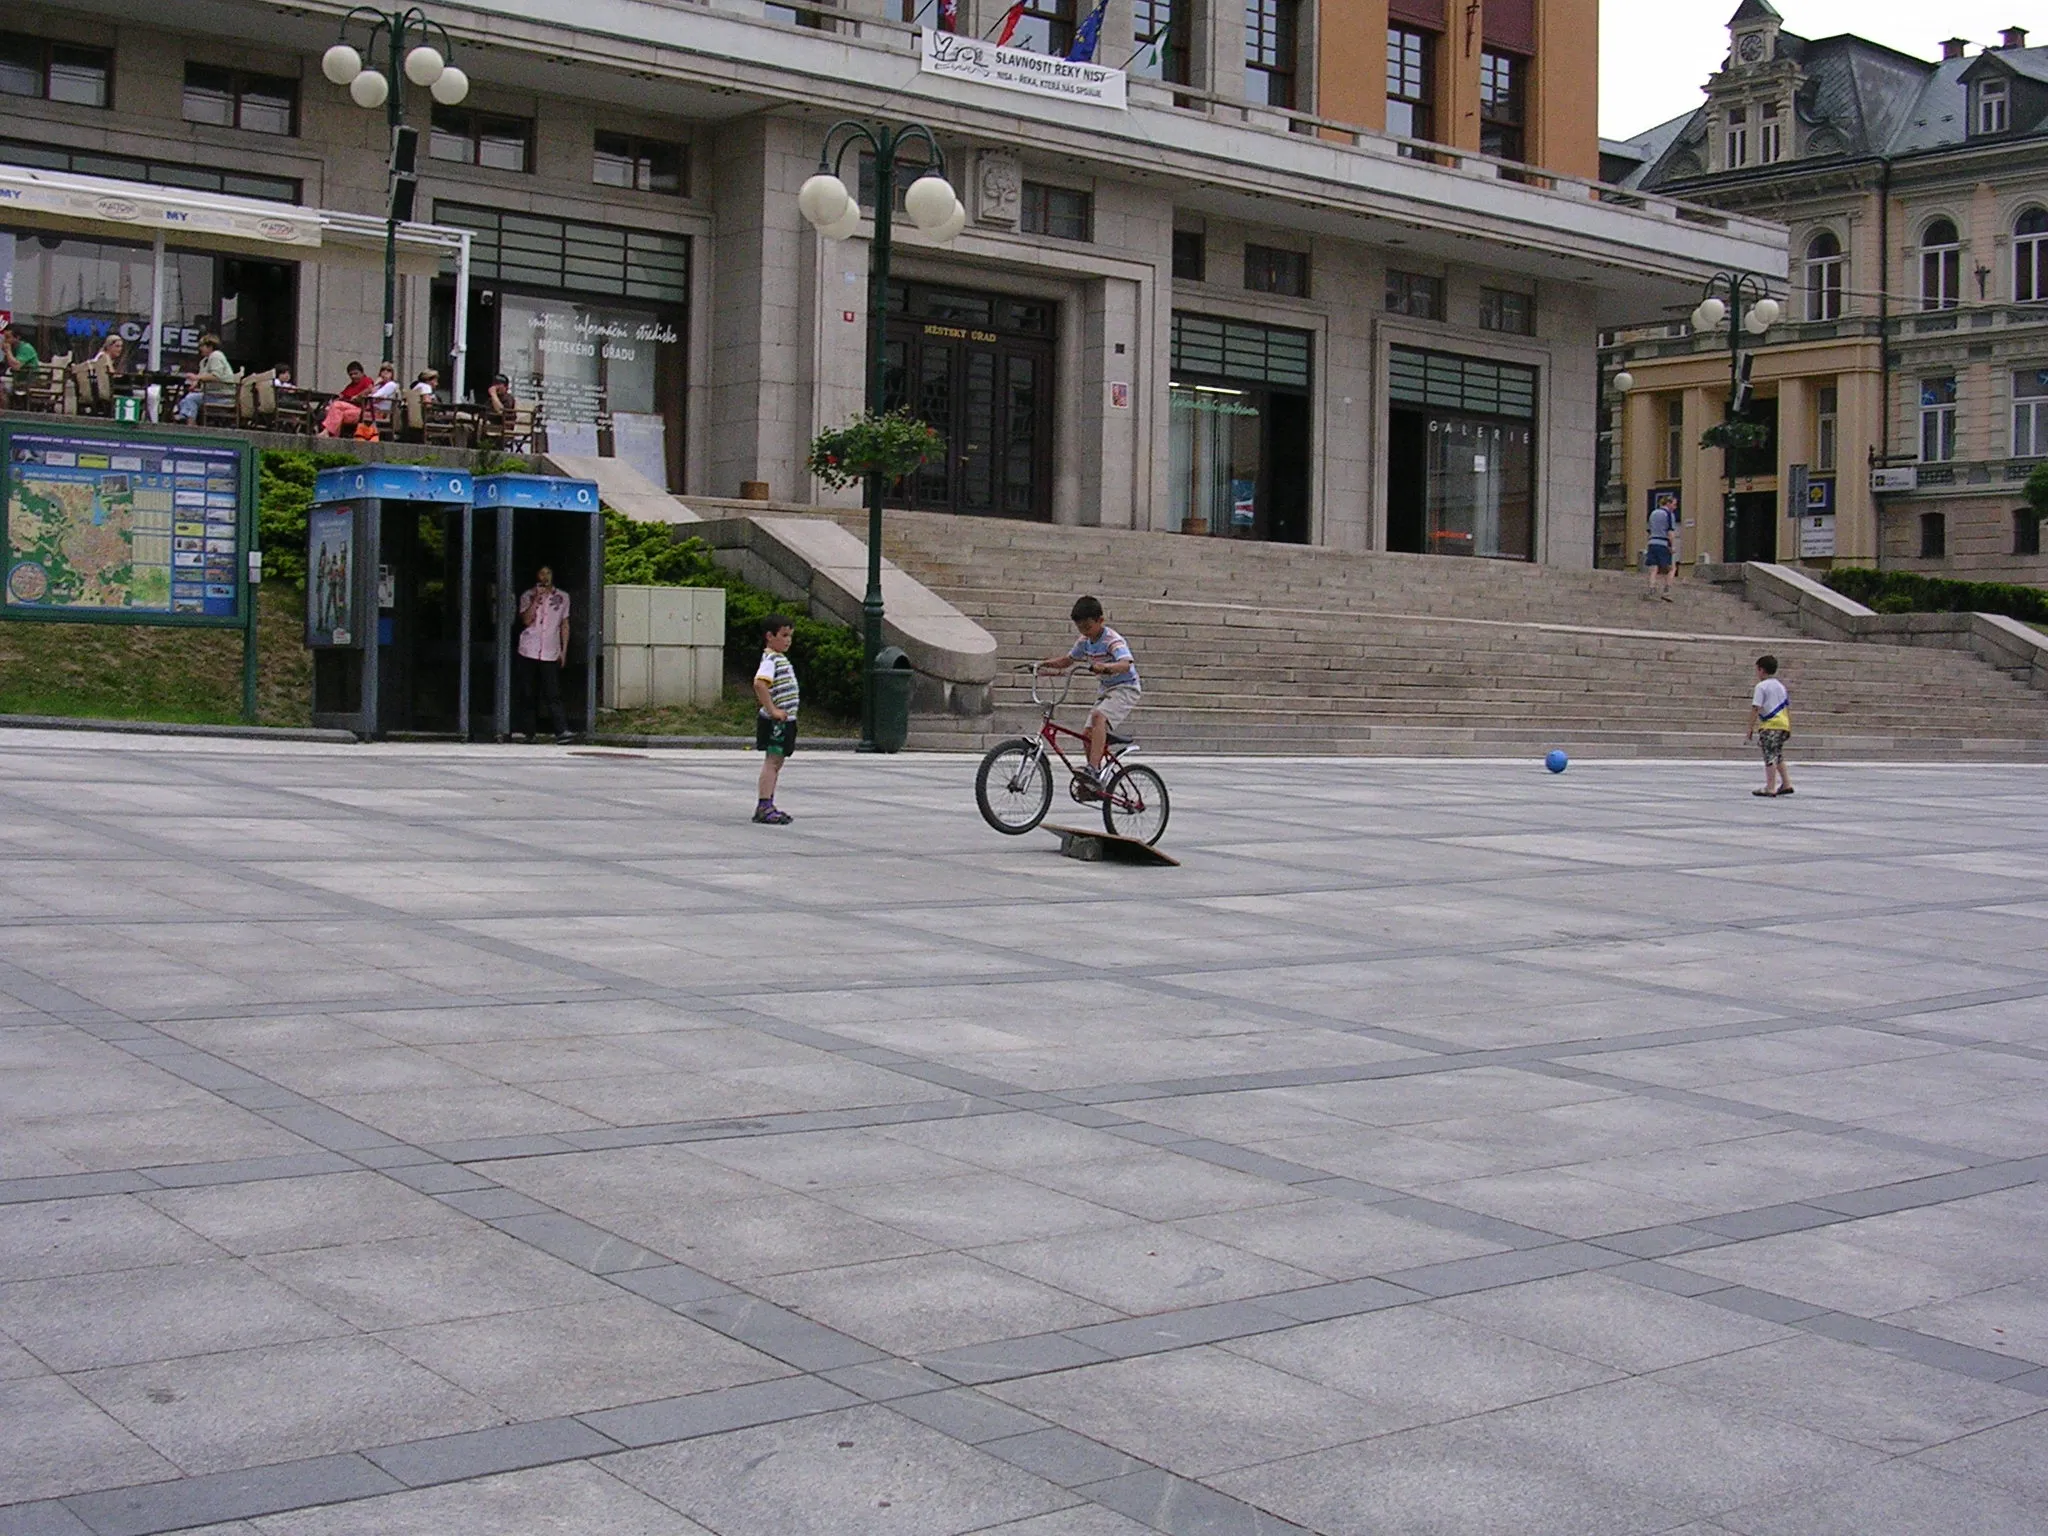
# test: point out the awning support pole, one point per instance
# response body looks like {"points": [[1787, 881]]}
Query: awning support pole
{"points": [[156, 304], [458, 379]]}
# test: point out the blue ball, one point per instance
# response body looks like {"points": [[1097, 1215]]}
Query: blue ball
{"points": [[1556, 761]]}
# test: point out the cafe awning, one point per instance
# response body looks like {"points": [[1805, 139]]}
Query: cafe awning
{"points": [[101, 205]]}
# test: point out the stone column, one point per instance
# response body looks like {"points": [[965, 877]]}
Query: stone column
{"points": [[1704, 481], [1795, 446], [1859, 415]]}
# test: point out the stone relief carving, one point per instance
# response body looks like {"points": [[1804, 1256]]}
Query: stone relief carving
{"points": [[999, 187]]}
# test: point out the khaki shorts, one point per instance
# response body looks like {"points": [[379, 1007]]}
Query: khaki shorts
{"points": [[1116, 705]]}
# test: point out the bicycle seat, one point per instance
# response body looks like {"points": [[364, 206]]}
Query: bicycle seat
{"points": [[1116, 740]]}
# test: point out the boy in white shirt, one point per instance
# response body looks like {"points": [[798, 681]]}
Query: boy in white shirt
{"points": [[776, 692], [1770, 726]]}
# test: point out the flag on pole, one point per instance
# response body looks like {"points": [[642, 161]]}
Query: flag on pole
{"points": [[1010, 19], [949, 15], [1087, 35], [1149, 58]]}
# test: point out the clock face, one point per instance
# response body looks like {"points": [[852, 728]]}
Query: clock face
{"points": [[1751, 48]]}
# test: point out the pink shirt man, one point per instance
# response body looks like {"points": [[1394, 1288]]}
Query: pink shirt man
{"points": [[546, 610]]}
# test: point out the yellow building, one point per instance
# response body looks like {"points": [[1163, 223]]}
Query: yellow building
{"points": [[1904, 394]]}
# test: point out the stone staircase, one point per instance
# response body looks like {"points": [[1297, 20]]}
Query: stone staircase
{"points": [[1251, 648]]}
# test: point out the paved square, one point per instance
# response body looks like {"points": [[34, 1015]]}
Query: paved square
{"points": [[522, 1143]]}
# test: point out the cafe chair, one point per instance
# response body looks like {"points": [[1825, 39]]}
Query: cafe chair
{"points": [[220, 402], [256, 399], [92, 387], [48, 390], [298, 411], [411, 416], [444, 425]]}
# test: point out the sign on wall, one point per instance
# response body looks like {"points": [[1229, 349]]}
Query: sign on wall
{"points": [[1019, 69], [1901, 477], [129, 527], [1817, 536]]}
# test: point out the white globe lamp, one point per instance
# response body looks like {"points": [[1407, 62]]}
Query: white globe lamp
{"points": [[1762, 316], [1624, 381], [423, 65], [845, 226], [341, 64], [824, 199], [930, 202], [369, 89], [1710, 314], [954, 223], [449, 87]]}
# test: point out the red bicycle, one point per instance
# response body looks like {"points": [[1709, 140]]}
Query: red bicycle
{"points": [[1014, 786]]}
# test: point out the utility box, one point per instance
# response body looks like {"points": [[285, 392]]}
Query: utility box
{"points": [[663, 645]]}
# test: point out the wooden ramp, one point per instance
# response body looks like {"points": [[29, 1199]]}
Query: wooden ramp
{"points": [[1106, 847]]}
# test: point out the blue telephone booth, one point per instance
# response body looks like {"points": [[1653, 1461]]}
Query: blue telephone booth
{"points": [[521, 523]]}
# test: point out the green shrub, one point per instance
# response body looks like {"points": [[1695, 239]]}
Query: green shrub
{"points": [[1910, 592], [826, 655], [284, 495]]}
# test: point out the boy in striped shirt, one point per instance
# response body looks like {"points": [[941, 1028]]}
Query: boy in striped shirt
{"points": [[775, 728]]}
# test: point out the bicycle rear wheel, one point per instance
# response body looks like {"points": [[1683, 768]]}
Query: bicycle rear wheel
{"points": [[1014, 786], [1134, 804]]}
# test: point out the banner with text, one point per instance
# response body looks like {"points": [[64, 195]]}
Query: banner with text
{"points": [[1018, 69]]}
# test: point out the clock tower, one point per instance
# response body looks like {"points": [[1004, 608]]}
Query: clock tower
{"points": [[1753, 35]]}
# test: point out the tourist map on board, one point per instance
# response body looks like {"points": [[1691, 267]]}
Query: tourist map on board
{"points": [[134, 526]]}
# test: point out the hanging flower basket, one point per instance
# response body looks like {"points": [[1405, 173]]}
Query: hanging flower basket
{"points": [[891, 444], [1736, 435]]}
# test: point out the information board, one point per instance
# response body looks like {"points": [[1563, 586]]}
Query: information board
{"points": [[123, 526]]}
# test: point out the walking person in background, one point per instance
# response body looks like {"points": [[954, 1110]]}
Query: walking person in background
{"points": [[543, 654], [1770, 727], [1661, 556]]}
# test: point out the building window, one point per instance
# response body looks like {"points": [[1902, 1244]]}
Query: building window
{"points": [[1503, 310], [232, 98], [1415, 295], [2030, 257], [1938, 420], [161, 173], [641, 165], [481, 138], [1994, 109], [1826, 416], [2030, 413], [1503, 80], [790, 15], [1738, 138], [558, 254], [1824, 277], [1411, 83], [1060, 212], [1045, 26], [1933, 536], [1941, 266], [1674, 439], [34, 66], [1269, 39], [1770, 142], [1160, 33], [2026, 532], [1267, 270], [1190, 255]]}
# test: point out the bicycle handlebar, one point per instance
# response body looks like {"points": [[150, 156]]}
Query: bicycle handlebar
{"points": [[1037, 670]]}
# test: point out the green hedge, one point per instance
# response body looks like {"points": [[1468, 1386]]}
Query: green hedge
{"points": [[1907, 592], [827, 655], [284, 495]]}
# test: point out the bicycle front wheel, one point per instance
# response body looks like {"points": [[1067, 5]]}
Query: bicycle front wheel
{"points": [[1134, 805], [1014, 786]]}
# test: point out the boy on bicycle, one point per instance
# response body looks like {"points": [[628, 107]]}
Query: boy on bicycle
{"points": [[1108, 656]]}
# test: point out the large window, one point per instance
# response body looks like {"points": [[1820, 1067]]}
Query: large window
{"points": [[234, 98], [1933, 536], [35, 66], [1941, 266], [1046, 26], [1994, 107], [563, 254], [1190, 255], [1065, 213], [2030, 413], [161, 173], [1270, 35], [1461, 456], [1737, 142], [1411, 83], [1938, 419], [1824, 277], [1826, 426], [643, 165], [481, 138], [1503, 88], [1159, 29], [1770, 134], [1414, 294], [1267, 269], [1238, 433], [2026, 532], [1674, 439], [2030, 257]]}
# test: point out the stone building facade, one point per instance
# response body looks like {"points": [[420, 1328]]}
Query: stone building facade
{"points": [[1901, 386], [1237, 304]]}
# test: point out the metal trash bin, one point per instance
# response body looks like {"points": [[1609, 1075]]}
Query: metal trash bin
{"points": [[892, 682]]}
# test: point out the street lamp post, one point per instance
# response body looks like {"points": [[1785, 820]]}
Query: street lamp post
{"points": [[935, 208], [422, 64], [1749, 307]]}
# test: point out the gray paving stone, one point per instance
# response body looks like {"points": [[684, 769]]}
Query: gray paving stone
{"points": [[562, 1500], [1060, 1456], [237, 1495], [59, 1442], [1181, 1330], [277, 1216], [1630, 1327], [1901, 1499], [713, 1413], [580, 1243], [968, 1415], [1181, 1508], [481, 1452]]}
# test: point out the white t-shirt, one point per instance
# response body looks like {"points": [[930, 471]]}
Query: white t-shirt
{"points": [[1770, 697]]}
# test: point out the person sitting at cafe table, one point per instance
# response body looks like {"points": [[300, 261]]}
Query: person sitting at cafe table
{"points": [[281, 377], [428, 385], [214, 373], [18, 360], [498, 398], [346, 408], [115, 351]]}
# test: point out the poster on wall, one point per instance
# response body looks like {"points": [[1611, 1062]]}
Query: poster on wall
{"points": [[1817, 536], [330, 572], [1243, 503], [594, 371], [126, 527]]}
